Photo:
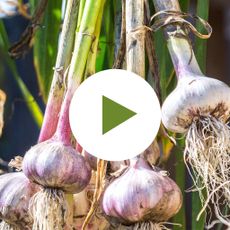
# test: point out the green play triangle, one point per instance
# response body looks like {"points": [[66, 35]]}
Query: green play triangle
{"points": [[113, 114]]}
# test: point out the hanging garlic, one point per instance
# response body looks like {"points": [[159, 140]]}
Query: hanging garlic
{"points": [[195, 95], [142, 196], [199, 107]]}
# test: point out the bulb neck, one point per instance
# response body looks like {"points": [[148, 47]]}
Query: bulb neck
{"points": [[63, 132], [178, 42], [182, 55], [50, 119]]}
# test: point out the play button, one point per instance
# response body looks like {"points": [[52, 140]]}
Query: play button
{"points": [[115, 115]]}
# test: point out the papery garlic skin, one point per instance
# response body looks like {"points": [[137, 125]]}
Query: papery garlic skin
{"points": [[15, 193], [141, 194], [193, 97], [54, 165], [92, 160]]}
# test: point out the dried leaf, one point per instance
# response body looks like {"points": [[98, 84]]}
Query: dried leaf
{"points": [[16, 163], [152, 153]]}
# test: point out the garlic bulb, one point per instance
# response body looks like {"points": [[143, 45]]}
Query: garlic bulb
{"points": [[15, 193], [59, 169], [52, 164], [194, 97], [141, 194], [92, 160]]}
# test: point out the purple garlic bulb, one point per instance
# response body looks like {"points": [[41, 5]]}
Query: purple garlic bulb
{"points": [[142, 193], [54, 165], [15, 193]]}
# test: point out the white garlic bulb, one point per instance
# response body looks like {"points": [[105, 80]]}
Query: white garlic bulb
{"points": [[193, 97]]}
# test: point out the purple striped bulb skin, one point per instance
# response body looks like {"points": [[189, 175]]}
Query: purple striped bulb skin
{"points": [[141, 194], [54, 165], [92, 160], [15, 193]]}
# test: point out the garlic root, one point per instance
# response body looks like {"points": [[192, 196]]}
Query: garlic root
{"points": [[6, 226], [207, 152], [49, 209]]}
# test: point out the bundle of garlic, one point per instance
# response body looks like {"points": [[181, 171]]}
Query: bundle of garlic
{"points": [[142, 197], [54, 163], [15, 193], [199, 107]]}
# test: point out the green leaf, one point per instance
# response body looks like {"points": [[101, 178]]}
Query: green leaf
{"points": [[165, 65], [46, 44], [180, 176], [29, 99], [105, 55], [201, 45], [200, 51], [80, 13], [184, 4]]}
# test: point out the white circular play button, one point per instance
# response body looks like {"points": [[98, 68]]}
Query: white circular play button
{"points": [[115, 115]]}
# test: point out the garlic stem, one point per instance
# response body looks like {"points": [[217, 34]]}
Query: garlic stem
{"points": [[179, 44], [91, 61], [56, 94], [63, 132], [83, 42], [120, 36], [80, 13], [135, 41]]}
